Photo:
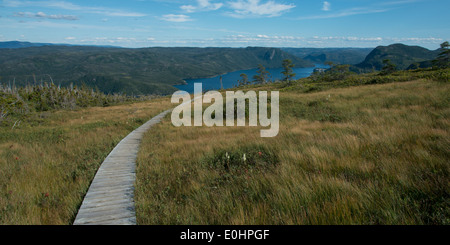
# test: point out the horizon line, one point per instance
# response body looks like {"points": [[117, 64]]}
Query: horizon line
{"points": [[122, 47]]}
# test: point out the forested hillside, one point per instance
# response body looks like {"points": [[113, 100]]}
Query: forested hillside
{"points": [[399, 54], [336, 55], [133, 71]]}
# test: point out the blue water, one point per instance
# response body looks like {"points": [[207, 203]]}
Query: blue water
{"points": [[231, 79]]}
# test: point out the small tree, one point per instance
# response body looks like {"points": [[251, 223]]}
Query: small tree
{"points": [[443, 59], [244, 80], [329, 63], [287, 70], [336, 72], [388, 67], [261, 76], [340, 71], [414, 66]]}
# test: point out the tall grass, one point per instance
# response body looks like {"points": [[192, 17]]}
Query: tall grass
{"points": [[373, 154], [322, 82], [49, 160]]}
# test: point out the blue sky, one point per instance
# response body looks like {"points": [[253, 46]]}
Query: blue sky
{"points": [[227, 23]]}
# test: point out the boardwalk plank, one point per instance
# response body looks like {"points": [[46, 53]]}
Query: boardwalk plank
{"points": [[110, 198]]}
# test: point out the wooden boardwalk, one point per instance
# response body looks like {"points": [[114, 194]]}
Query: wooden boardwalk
{"points": [[110, 198]]}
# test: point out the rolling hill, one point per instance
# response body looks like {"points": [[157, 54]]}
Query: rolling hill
{"points": [[132, 71], [403, 56]]}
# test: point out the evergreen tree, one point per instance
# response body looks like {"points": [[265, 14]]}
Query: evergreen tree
{"points": [[388, 67], [262, 76], [443, 59], [244, 80], [288, 72], [414, 66]]}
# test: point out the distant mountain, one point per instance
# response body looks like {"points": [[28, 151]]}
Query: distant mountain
{"points": [[17, 44], [403, 56], [336, 55], [134, 71]]}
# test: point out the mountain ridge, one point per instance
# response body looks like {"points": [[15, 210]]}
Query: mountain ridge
{"points": [[20, 44]]}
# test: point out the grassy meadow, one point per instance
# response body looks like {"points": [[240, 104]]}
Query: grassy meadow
{"points": [[48, 161], [366, 149], [372, 154]]}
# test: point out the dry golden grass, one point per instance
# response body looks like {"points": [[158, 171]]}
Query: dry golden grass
{"points": [[375, 154], [47, 164]]}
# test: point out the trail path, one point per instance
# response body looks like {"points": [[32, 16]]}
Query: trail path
{"points": [[110, 198]]}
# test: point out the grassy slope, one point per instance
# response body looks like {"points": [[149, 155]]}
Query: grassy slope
{"points": [[46, 165], [374, 154], [368, 154]]}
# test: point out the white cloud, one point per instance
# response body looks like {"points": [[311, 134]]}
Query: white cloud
{"points": [[116, 13], [326, 6], [316, 41], [352, 41], [345, 13], [58, 26], [176, 18], [188, 8], [379, 7], [252, 40], [251, 8], [202, 5], [261, 40], [70, 6], [43, 15]]}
